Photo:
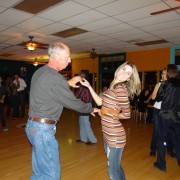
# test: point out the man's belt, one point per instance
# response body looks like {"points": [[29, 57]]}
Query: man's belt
{"points": [[42, 120]]}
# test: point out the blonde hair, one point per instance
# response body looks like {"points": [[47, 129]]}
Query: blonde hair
{"points": [[133, 85]]}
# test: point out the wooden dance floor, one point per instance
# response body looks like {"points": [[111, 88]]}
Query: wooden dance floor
{"points": [[78, 160]]}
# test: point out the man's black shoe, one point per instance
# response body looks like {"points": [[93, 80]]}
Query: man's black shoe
{"points": [[157, 166], [90, 143], [78, 140]]}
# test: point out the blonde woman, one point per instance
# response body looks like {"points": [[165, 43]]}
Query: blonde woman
{"points": [[116, 106]]}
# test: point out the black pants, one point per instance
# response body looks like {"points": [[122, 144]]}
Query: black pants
{"points": [[22, 103], [154, 139], [13, 104], [3, 122], [164, 127]]}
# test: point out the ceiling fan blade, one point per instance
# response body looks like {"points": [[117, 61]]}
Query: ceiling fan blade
{"points": [[21, 44], [39, 47], [165, 10], [42, 44], [42, 62]]}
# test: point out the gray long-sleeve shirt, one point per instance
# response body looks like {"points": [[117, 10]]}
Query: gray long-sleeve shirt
{"points": [[50, 92]]}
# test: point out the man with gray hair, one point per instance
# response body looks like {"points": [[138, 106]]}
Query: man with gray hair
{"points": [[49, 94]]}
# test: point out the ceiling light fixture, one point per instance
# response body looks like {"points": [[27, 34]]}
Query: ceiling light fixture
{"points": [[35, 63], [93, 54], [31, 46]]}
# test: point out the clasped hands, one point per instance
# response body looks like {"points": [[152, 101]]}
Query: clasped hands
{"points": [[73, 82]]}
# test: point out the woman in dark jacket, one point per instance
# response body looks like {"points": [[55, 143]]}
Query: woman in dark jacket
{"points": [[169, 116]]}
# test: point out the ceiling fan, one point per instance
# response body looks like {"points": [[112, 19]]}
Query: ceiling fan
{"points": [[93, 54], [36, 62], [32, 45], [166, 10]]}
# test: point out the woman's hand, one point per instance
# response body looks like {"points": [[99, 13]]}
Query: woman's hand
{"points": [[85, 83], [73, 81], [100, 114]]}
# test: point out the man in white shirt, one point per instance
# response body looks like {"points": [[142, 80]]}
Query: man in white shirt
{"points": [[21, 94]]}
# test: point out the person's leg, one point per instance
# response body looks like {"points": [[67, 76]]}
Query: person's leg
{"points": [[176, 137], [154, 139], [22, 104], [15, 112], [45, 153], [170, 143], [88, 130], [9, 107], [19, 104], [3, 122], [115, 169], [163, 130], [83, 136]]}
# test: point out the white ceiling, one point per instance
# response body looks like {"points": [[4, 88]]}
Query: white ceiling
{"points": [[113, 26]]}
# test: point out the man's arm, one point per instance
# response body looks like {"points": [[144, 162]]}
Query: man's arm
{"points": [[73, 81]]}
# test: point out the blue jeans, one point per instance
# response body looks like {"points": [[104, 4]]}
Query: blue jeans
{"points": [[86, 132], [115, 169], [45, 153]]}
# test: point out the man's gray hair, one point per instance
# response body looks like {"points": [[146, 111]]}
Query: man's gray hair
{"points": [[56, 48]]}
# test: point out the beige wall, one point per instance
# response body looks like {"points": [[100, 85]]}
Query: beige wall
{"points": [[150, 60], [85, 63], [147, 60]]}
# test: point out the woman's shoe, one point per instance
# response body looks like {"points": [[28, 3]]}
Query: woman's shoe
{"points": [[172, 154]]}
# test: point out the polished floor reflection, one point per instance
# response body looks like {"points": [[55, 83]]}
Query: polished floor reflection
{"points": [[78, 160]]}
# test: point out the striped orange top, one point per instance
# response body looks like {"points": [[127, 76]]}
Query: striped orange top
{"points": [[113, 131]]}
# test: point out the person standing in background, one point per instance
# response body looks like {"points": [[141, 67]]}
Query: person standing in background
{"points": [[86, 134], [169, 116], [2, 97], [115, 107], [156, 110], [104, 88], [12, 98], [21, 94]]}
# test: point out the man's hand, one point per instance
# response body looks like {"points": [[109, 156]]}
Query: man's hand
{"points": [[95, 110], [73, 81]]}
